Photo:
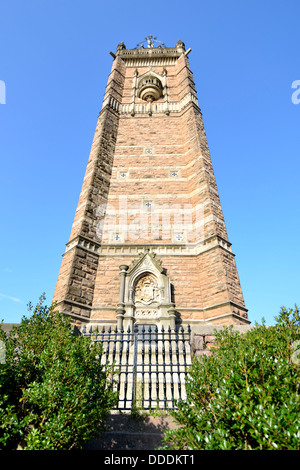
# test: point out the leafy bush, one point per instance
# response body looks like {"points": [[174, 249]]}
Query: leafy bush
{"points": [[54, 394], [246, 394]]}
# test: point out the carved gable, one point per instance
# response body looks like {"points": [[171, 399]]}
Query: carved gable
{"points": [[148, 292]]}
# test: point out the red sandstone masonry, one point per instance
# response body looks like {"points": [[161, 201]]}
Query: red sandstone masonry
{"points": [[205, 284]]}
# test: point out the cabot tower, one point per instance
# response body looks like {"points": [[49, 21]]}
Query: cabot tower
{"points": [[148, 244]]}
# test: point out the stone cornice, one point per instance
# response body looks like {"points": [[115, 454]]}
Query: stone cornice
{"points": [[85, 243], [156, 108], [208, 321], [155, 52], [166, 249]]}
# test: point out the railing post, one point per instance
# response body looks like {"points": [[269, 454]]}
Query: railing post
{"points": [[134, 368]]}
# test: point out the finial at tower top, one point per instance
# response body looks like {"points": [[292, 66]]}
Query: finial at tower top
{"points": [[150, 41]]}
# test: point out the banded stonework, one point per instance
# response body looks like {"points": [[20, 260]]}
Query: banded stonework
{"points": [[149, 222]]}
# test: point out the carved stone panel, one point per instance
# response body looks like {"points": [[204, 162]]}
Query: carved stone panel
{"points": [[146, 290], [147, 314]]}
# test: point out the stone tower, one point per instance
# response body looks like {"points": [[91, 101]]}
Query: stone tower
{"points": [[148, 244]]}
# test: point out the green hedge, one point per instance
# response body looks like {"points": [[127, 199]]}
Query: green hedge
{"points": [[246, 394], [54, 394]]}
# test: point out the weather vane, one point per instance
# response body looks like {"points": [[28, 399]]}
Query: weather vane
{"points": [[150, 40]]}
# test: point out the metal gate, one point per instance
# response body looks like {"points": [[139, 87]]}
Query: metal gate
{"points": [[150, 365]]}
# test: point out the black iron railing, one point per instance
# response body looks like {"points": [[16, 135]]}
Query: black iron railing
{"points": [[150, 364]]}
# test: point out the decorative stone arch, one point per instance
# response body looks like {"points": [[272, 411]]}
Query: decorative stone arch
{"points": [[150, 86], [146, 294], [146, 289]]}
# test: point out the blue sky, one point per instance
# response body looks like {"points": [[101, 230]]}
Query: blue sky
{"points": [[55, 63]]}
